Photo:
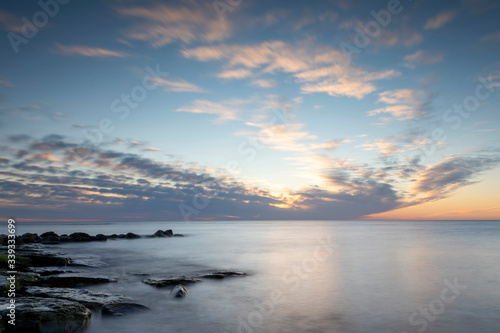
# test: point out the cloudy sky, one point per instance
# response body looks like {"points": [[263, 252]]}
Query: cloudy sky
{"points": [[123, 110]]}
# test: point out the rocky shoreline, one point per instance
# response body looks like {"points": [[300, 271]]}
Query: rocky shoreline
{"points": [[49, 298]]}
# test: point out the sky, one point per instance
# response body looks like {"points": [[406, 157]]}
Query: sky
{"points": [[124, 110]]}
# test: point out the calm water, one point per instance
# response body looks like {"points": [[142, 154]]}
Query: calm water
{"points": [[305, 276]]}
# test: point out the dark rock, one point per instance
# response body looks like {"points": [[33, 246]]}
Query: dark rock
{"points": [[48, 234], [118, 309], [122, 236], [21, 282], [37, 314], [51, 240], [169, 232], [100, 237], [222, 275], [29, 238], [159, 283], [92, 300], [80, 237], [72, 281], [43, 260], [178, 235], [131, 235], [113, 236], [22, 264], [65, 238], [179, 291], [159, 233]]}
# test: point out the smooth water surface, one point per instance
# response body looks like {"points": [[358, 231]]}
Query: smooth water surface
{"points": [[305, 276]]}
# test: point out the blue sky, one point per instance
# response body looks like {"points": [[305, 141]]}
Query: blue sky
{"points": [[172, 110]]}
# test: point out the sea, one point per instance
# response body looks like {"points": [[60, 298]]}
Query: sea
{"points": [[303, 276]]}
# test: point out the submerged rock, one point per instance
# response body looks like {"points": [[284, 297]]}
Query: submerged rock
{"points": [[179, 291], [72, 281], [118, 309], [100, 237], [159, 283], [48, 315], [131, 235], [222, 275], [88, 298]]}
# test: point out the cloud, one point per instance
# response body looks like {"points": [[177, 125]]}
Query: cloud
{"points": [[491, 38], [164, 24], [6, 83], [177, 86], [386, 37], [382, 146], [226, 110], [316, 68], [10, 22], [86, 51], [422, 58], [264, 83], [404, 104], [240, 73], [441, 19], [151, 149], [442, 179]]}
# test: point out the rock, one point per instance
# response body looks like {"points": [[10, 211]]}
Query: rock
{"points": [[90, 299], [43, 260], [131, 235], [21, 282], [69, 280], [178, 235], [65, 238], [222, 275], [51, 240], [159, 233], [179, 291], [169, 232], [80, 237], [159, 283], [118, 309], [47, 315], [48, 234], [122, 236], [113, 236], [29, 238], [21, 264], [100, 237]]}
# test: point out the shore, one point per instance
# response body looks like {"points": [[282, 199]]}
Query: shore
{"points": [[40, 291]]}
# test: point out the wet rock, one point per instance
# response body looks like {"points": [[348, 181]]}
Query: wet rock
{"points": [[131, 235], [21, 282], [80, 237], [179, 291], [100, 237], [65, 238], [122, 236], [119, 309], [42, 259], [222, 275], [48, 234], [160, 233], [47, 315], [52, 239], [169, 233], [159, 283], [29, 238], [69, 280], [21, 263], [178, 235], [90, 299]]}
